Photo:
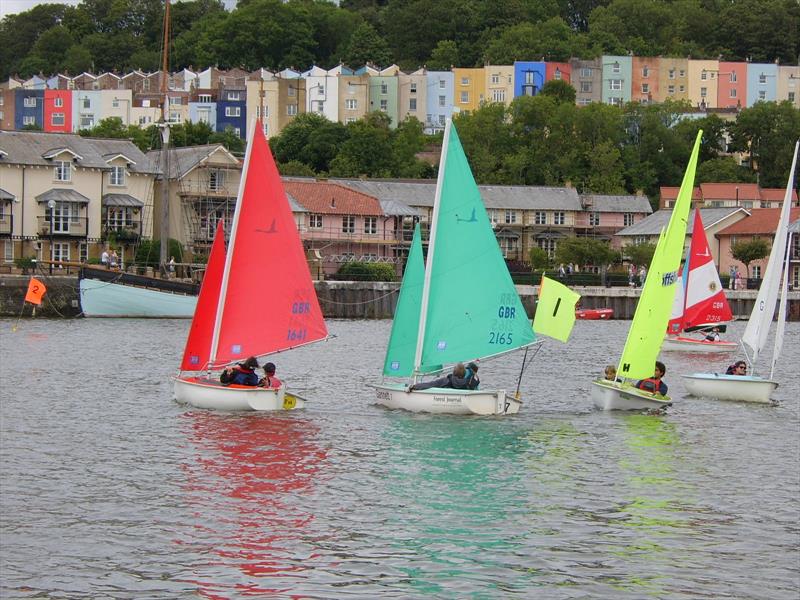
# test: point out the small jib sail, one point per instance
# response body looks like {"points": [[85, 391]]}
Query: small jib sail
{"points": [[555, 310], [755, 334], [646, 333], [469, 307], [699, 298], [266, 300]]}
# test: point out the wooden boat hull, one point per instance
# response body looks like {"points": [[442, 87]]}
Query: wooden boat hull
{"points": [[737, 388], [201, 392], [104, 299], [610, 395], [593, 314], [447, 400], [683, 344]]}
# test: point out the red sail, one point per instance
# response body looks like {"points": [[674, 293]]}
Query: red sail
{"points": [[705, 297], [198, 344], [269, 302]]}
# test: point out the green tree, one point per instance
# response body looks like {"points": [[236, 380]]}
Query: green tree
{"points": [[444, 56], [539, 259], [366, 46], [229, 139], [639, 254], [368, 149], [723, 170], [585, 251], [750, 250], [559, 89]]}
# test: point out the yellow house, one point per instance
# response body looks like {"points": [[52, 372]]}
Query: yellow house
{"points": [[673, 79], [470, 88], [499, 82], [703, 76]]}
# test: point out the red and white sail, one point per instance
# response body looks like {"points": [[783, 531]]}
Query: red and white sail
{"points": [[264, 300], [700, 300]]}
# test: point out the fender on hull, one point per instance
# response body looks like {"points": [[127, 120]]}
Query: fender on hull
{"points": [[201, 392], [447, 400]]}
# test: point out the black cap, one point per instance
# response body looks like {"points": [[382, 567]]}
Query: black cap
{"points": [[269, 367], [472, 366]]}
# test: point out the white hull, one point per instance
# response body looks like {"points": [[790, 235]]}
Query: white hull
{"points": [[730, 387], [682, 344], [103, 299], [447, 401], [609, 395], [207, 393]]}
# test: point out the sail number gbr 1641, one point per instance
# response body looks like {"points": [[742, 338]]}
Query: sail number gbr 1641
{"points": [[298, 334], [503, 323]]}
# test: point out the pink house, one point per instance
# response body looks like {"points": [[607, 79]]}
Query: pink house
{"points": [[58, 111], [343, 224]]}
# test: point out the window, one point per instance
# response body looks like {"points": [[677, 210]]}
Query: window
{"points": [[762, 95], [442, 120], [671, 89], [8, 251], [291, 109], [413, 87], [442, 84], [176, 101], [756, 271], [28, 120], [640, 239], [351, 104], [115, 103], [540, 217], [442, 100], [233, 111], [492, 215], [790, 97], [681, 73], [315, 221], [320, 106], [206, 98], [703, 92], [117, 176], [615, 84], [681, 88], [216, 180], [645, 88], [594, 219], [291, 91], [586, 87], [671, 74], [703, 75], [60, 252], [86, 103], [615, 68], [233, 96], [57, 119], [87, 122], [557, 76], [465, 81], [203, 115], [645, 71], [29, 102], [495, 78], [548, 246], [59, 102], [371, 225], [762, 78], [498, 95], [83, 252], [733, 77], [559, 217], [63, 170], [412, 104], [511, 217], [464, 97], [348, 224], [384, 105], [627, 219], [615, 101], [384, 88], [349, 120], [586, 72], [733, 93]]}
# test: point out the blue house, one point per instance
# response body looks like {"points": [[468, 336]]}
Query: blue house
{"points": [[232, 111], [441, 87], [28, 108], [762, 83], [529, 77]]}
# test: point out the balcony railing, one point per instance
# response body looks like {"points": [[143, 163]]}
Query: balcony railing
{"points": [[128, 233], [62, 226]]}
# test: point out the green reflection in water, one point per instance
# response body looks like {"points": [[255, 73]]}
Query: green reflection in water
{"points": [[456, 484]]}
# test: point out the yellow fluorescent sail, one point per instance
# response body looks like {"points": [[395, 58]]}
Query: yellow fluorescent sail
{"points": [[555, 310]]}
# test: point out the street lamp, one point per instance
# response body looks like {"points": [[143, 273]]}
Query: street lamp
{"points": [[51, 204]]}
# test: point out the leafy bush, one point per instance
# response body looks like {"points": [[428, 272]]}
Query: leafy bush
{"points": [[362, 271], [149, 252], [26, 263]]}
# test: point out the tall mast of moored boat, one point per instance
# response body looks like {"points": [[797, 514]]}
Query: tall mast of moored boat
{"points": [[164, 234]]}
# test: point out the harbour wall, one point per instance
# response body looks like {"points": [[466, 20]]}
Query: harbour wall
{"points": [[354, 299]]}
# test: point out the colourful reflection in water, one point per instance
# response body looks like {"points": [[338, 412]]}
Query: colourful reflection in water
{"points": [[243, 489]]}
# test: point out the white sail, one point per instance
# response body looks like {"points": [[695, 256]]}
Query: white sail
{"points": [[782, 309], [755, 335]]}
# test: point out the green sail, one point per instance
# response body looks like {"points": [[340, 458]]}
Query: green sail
{"points": [[655, 304], [403, 339], [473, 309]]}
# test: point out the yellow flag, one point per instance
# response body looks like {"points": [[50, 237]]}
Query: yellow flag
{"points": [[555, 310]]}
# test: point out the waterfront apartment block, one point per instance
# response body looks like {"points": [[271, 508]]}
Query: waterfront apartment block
{"points": [[729, 195]]}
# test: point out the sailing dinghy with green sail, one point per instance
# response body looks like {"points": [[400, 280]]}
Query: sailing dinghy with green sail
{"points": [[459, 305], [653, 311]]}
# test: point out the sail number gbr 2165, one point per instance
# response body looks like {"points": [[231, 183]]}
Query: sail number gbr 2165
{"points": [[502, 325]]}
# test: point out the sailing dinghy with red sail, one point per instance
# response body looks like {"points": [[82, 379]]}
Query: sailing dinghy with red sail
{"points": [[257, 299], [700, 303]]}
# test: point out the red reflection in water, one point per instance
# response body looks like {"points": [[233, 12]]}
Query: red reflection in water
{"points": [[249, 472]]}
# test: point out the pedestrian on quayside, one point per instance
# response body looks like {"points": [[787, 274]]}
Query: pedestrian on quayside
{"points": [[242, 374], [653, 384]]}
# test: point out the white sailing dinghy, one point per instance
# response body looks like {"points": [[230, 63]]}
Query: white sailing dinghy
{"points": [[752, 388], [653, 310], [459, 305], [700, 301], [259, 302]]}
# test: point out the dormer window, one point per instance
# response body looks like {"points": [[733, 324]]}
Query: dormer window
{"points": [[117, 176], [63, 170]]}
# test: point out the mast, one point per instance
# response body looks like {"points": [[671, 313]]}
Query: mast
{"points": [[426, 286], [164, 125]]}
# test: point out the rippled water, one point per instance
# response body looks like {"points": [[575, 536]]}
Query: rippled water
{"points": [[110, 489]]}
